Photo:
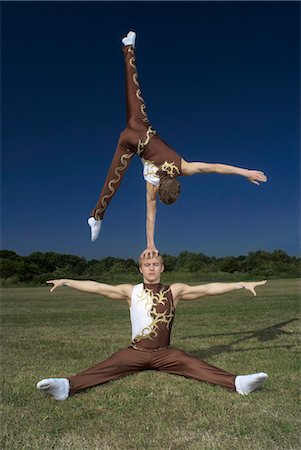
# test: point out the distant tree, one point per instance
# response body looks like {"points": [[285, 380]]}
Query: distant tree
{"points": [[80, 267], [9, 254], [41, 261], [8, 268], [131, 266], [92, 262], [108, 262], [191, 262], [170, 262], [229, 264], [118, 267]]}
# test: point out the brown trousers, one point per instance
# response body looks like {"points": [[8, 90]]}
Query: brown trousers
{"points": [[170, 360], [137, 125]]}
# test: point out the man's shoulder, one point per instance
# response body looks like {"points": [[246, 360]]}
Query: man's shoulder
{"points": [[178, 284], [126, 288], [186, 167], [176, 288]]}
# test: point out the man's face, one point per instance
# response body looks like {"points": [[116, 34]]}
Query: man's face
{"points": [[151, 270]]}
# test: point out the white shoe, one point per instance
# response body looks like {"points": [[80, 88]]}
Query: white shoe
{"points": [[95, 228], [129, 39]]}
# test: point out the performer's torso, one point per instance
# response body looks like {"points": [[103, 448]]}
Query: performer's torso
{"points": [[161, 154], [149, 146], [152, 313]]}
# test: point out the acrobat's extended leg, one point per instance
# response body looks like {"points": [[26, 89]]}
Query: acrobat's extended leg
{"points": [[132, 140], [178, 362], [135, 105], [119, 165], [122, 363]]}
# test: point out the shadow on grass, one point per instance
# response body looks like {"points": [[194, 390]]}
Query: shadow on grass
{"points": [[262, 335]]}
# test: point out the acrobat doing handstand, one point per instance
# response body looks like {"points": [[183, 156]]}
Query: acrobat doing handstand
{"points": [[162, 165]]}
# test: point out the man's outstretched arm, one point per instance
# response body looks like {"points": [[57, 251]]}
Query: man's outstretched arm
{"points": [[182, 291], [119, 292], [193, 168]]}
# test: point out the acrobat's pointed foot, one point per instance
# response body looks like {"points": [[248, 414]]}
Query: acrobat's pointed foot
{"points": [[129, 39], [95, 226]]}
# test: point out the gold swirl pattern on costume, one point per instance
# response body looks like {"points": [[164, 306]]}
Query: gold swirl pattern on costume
{"points": [[170, 168], [141, 145], [139, 95], [135, 79], [152, 299], [117, 171]]}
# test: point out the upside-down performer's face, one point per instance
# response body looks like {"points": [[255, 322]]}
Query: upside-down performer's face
{"points": [[151, 269]]}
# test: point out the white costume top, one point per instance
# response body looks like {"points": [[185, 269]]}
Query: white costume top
{"points": [[140, 312], [150, 172]]}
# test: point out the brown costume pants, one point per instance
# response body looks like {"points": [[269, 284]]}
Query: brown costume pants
{"points": [[170, 360], [127, 146]]}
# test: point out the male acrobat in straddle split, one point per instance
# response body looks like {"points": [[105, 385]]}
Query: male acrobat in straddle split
{"points": [[152, 310], [162, 165]]}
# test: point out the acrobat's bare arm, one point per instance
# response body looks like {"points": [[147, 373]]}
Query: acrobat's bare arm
{"points": [[182, 291], [119, 292], [192, 168], [151, 208]]}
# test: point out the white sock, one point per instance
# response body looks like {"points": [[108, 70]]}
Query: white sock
{"points": [[247, 383], [129, 39], [95, 228], [57, 387]]}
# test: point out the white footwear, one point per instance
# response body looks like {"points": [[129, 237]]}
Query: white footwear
{"points": [[245, 384], [57, 387], [129, 39], [95, 228]]}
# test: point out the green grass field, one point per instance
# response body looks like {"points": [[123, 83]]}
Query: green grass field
{"points": [[60, 334]]}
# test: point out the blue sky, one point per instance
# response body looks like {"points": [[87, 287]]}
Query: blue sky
{"points": [[221, 84]]}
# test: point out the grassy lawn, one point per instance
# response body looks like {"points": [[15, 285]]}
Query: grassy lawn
{"points": [[63, 333]]}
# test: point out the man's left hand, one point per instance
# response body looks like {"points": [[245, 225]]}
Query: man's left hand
{"points": [[256, 177], [251, 285]]}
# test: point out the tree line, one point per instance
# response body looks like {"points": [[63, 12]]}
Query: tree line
{"points": [[38, 267]]}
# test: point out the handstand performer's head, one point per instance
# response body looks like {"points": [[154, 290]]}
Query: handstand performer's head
{"points": [[169, 189], [151, 269]]}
